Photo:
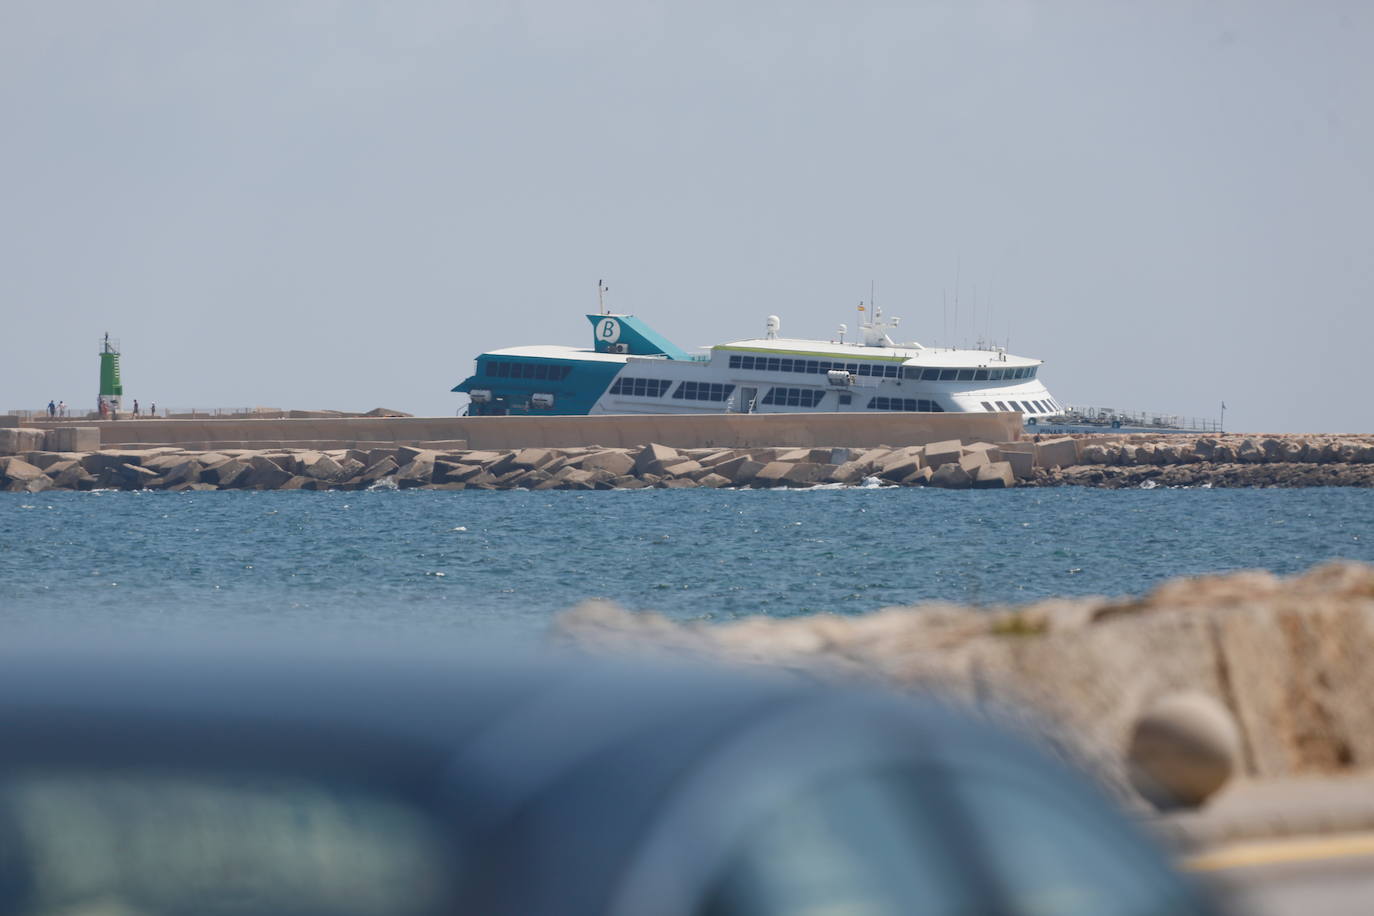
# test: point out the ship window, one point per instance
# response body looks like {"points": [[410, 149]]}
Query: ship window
{"points": [[640, 387], [980, 375], [703, 391], [773, 362], [987, 406], [1001, 406], [793, 397], [923, 405], [852, 367], [947, 375], [894, 371], [541, 371], [995, 375], [865, 369], [846, 400], [930, 375], [785, 364], [734, 362], [965, 375]]}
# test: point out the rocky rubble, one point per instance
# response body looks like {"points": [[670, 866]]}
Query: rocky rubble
{"points": [[1088, 461], [1288, 659]]}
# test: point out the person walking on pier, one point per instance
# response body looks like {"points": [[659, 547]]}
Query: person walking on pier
{"points": [[61, 408], [52, 410], [152, 409], [135, 408]]}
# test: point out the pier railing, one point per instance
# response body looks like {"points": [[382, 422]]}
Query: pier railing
{"points": [[1107, 416], [163, 413]]}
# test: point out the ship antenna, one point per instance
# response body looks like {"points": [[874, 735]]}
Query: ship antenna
{"points": [[958, 268], [601, 290], [944, 314], [977, 338]]}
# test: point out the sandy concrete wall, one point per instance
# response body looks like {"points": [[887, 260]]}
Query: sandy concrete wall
{"points": [[710, 430]]}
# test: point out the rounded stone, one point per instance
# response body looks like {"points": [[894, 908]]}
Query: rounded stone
{"points": [[1183, 748]]}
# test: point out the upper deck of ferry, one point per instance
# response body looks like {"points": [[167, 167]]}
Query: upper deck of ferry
{"points": [[909, 354]]}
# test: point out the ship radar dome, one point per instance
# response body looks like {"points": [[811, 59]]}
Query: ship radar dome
{"points": [[774, 324]]}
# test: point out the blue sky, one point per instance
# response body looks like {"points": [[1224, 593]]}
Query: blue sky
{"points": [[340, 204]]}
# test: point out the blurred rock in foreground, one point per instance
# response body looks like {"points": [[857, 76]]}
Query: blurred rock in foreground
{"points": [[1291, 659]]}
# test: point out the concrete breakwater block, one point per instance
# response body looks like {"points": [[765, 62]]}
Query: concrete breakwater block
{"points": [[17, 440], [939, 453], [996, 475], [72, 439], [1056, 453]]}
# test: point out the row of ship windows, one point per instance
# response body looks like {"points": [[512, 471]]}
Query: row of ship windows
{"points": [[703, 391], [812, 366], [794, 397], [922, 404], [884, 370], [641, 387], [502, 368], [1024, 406], [971, 375], [776, 396]]}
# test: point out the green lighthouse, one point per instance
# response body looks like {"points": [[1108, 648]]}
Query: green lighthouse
{"points": [[111, 388]]}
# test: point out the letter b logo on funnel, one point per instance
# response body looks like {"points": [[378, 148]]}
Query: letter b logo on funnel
{"points": [[609, 331]]}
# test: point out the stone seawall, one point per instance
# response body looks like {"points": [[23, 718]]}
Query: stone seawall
{"points": [[952, 464], [1288, 659], [707, 430]]}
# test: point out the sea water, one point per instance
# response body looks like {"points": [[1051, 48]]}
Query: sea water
{"points": [[466, 566]]}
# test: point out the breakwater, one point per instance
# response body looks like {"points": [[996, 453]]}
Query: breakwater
{"points": [[1100, 461]]}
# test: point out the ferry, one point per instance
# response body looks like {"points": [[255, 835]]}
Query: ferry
{"points": [[631, 369]]}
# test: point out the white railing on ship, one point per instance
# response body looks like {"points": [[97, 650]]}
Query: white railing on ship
{"points": [[1105, 416]]}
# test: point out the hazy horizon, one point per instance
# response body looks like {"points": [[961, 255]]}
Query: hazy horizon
{"points": [[336, 205]]}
